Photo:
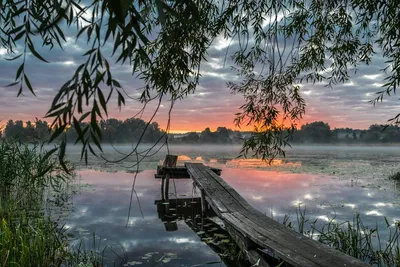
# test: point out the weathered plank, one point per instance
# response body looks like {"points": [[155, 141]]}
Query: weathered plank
{"points": [[253, 255], [178, 172], [273, 238]]}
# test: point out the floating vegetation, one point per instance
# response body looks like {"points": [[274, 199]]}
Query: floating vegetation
{"points": [[395, 176], [132, 263], [220, 241]]}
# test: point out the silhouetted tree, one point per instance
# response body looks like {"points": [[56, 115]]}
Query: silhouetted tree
{"points": [[316, 132], [191, 138], [42, 130]]}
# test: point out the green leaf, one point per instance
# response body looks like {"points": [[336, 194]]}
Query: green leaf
{"points": [[58, 112], [63, 145], [86, 157], [57, 133], [84, 116], [96, 110], [36, 54], [13, 58], [77, 127], [95, 127], [48, 155], [90, 51], [12, 84], [19, 35], [116, 83], [17, 29], [102, 100], [91, 150], [96, 141], [121, 100], [60, 32], [28, 83], [19, 71]]}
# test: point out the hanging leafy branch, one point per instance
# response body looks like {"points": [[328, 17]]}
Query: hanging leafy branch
{"points": [[277, 47]]}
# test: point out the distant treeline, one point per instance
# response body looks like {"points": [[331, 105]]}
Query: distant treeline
{"points": [[118, 131], [311, 133], [222, 135], [130, 130], [320, 132], [113, 131]]}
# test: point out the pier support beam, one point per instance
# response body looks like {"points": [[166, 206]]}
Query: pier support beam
{"points": [[203, 202], [166, 191]]}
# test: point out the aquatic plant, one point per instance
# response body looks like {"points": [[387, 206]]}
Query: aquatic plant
{"points": [[28, 237], [26, 171], [352, 237], [40, 242], [31, 242], [395, 176], [91, 253]]}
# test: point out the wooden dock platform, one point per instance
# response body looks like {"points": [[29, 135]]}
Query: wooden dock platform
{"points": [[177, 172], [259, 236]]}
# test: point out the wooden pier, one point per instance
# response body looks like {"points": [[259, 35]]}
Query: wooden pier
{"points": [[264, 240], [188, 210]]}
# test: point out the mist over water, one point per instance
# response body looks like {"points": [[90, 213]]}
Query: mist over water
{"points": [[328, 181]]}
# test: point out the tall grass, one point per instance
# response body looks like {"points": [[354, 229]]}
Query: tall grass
{"points": [[28, 237], [31, 242], [26, 171], [353, 237], [395, 176]]}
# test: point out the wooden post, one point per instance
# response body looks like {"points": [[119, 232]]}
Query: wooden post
{"points": [[170, 161], [171, 226], [166, 187], [203, 202], [162, 188]]}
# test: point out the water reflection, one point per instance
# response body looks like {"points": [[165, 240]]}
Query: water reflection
{"points": [[238, 163], [322, 195], [202, 223], [179, 209], [255, 163], [102, 207], [166, 229]]}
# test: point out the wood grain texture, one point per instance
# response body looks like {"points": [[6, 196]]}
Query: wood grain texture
{"points": [[254, 227]]}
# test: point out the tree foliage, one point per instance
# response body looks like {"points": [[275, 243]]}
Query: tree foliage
{"points": [[317, 132], [28, 131], [276, 47], [113, 131]]}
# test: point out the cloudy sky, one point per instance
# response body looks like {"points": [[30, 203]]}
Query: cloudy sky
{"points": [[212, 105]]}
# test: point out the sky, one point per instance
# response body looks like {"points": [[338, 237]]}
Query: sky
{"points": [[212, 104]]}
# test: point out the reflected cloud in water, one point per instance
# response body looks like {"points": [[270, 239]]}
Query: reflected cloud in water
{"points": [[102, 207], [323, 196]]}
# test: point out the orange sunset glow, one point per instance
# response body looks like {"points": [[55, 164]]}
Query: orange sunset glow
{"points": [[192, 133], [183, 124]]}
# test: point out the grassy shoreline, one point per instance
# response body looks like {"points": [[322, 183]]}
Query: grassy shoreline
{"points": [[29, 234]]}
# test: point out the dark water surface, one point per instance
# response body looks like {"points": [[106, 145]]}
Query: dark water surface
{"points": [[102, 207]]}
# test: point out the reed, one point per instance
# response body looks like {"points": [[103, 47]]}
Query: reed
{"points": [[353, 237], [28, 236], [395, 176]]}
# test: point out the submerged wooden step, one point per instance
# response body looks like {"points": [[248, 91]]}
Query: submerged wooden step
{"points": [[258, 232]]}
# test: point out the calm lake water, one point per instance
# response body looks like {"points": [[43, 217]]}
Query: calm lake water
{"points": [[328, 182]]}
